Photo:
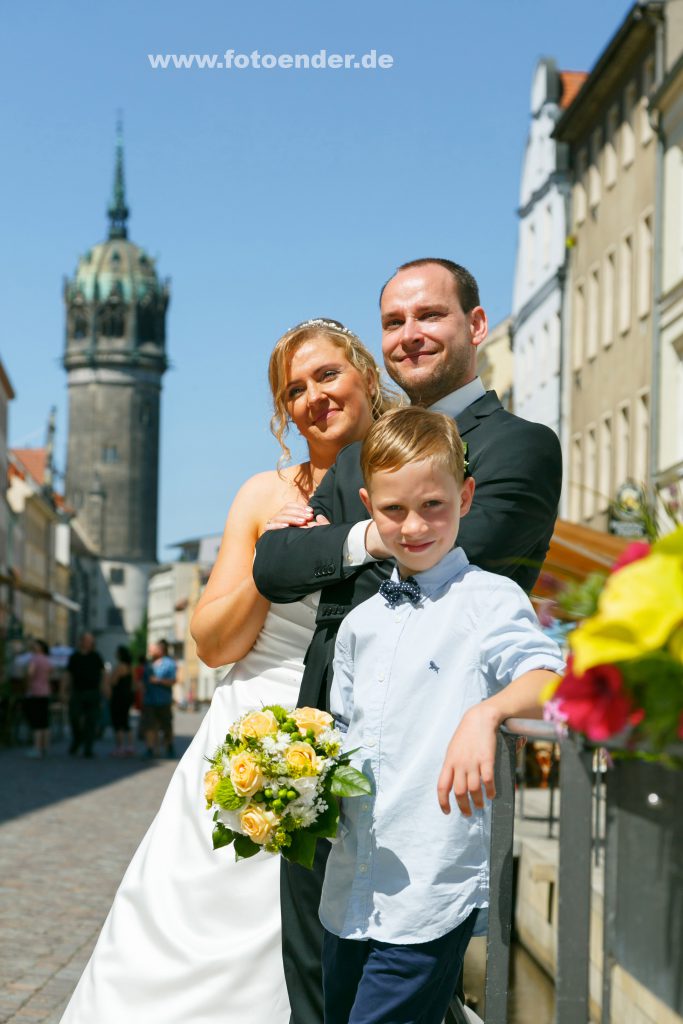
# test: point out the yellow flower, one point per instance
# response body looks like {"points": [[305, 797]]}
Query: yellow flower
{"points": [[302, 758], [257, 724], [312, 718], [258, 824], [245, 774], [211, 780], [639, 609]]}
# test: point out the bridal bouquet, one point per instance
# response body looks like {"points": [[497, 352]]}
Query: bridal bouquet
{"points": [[626, 665], [275, 783]]}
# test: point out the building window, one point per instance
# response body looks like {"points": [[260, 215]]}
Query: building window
{"points": [[547, 234], [641, 437], [575, 480], [112, 322], [593, 313], [605, 463], [623, 445], [117, 576], [589, 467], [579, 326], [608, 280], [644, 265], [594, 169], [580, 187], [530, 255], [110, 453], [625, 279], [644, 105], [114, 616], [610, 164], [628, 145]]}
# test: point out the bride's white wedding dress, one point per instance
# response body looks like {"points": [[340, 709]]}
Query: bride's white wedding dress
{"points": [[194, 937]]}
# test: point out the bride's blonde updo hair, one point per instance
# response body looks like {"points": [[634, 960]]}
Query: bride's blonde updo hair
{"points": [[382, 397]]}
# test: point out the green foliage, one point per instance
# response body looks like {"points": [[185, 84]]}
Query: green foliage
{"points": [[301, 850], [138, 641], [327, 823], [348, 781], [656, 683], [226, 796], [222, 836], [244, 847], [580, 600]]}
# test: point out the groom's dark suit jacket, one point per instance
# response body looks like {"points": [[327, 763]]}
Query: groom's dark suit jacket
{"points": [[517, 468]]}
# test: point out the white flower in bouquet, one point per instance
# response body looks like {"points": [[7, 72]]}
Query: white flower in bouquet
{"points": [[275, 783]]}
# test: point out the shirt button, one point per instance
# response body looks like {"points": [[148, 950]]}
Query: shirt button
{"points": [[370, 743], [362, 868], [380, 676], [365, 807], [397, 617]]}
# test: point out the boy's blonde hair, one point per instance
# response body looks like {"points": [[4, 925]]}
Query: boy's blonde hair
{"points": [[411, 435]]}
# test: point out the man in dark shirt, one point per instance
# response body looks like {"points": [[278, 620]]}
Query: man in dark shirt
{"points": [[84, 674]]}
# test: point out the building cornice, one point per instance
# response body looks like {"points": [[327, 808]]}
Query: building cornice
{"points": [[557, 178], [611, 68]]}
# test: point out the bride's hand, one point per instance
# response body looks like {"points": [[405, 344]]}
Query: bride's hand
{"points": [[290, 514]]}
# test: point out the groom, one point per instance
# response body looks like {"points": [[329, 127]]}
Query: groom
{"points": [[432, 325]]}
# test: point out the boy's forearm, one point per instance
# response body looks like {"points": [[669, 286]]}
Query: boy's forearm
{"points": [[521, 698]]}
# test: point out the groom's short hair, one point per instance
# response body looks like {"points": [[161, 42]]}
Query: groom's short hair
{"points": [[465, 284], [412, 434]]}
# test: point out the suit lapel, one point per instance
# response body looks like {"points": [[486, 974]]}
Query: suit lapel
{"points": [[470, 417]]}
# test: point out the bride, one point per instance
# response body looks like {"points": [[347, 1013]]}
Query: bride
{"points": [[194, 937]]}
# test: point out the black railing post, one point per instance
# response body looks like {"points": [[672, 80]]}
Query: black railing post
{"points": [[500, 898], [573, 940]]}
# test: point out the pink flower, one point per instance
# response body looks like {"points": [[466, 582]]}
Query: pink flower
{"points": [[680, 727], [633, 552], [595, 703]]}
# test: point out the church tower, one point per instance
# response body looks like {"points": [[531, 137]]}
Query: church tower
{"points": [[115, 357]]}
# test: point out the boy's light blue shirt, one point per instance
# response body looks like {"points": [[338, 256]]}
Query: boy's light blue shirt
{"points": [[403, 872]]}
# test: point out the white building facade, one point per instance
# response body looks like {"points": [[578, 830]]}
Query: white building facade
{"points": [[537, 307]]}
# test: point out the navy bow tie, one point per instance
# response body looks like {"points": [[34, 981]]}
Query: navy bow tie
{"points": [[393, 591]]}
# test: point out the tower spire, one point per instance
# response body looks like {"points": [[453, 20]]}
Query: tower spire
{"points": [[118, 211]]}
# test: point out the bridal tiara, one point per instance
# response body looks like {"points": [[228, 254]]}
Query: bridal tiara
{"points": [[321, 321]]}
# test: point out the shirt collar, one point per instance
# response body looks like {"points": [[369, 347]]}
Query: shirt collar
{"points": [[459, 400], [451, 565]]}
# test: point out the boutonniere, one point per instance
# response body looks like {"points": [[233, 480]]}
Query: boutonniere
{"points": [[466, 462]]}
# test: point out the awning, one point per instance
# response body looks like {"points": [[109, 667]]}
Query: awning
{"points": [[575, 552]]}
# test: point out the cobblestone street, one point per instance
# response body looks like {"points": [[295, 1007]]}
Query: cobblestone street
{"points": [[68, 828]]}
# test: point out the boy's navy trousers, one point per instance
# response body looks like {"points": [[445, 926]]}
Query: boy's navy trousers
{"points": [[371, 982]]}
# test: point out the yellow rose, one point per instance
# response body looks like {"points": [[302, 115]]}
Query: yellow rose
{"points": [[302, 758], [257, 724], [211, 780], [312, 718], [245, 774], [258, 824]]}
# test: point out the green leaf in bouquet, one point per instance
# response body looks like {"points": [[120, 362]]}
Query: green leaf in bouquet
{"points": [[301, 850], [280, 713], [222, 836], [226, 796], [244, 847], [656, 682], [348, 781], [327, 823]]}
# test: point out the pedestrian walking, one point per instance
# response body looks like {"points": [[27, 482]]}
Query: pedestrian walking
{"points": [[84, 681], [121, 701], [37, 698], [157, 701]]}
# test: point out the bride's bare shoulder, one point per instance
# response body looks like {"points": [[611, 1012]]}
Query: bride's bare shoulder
{"points": [[270, 489]]}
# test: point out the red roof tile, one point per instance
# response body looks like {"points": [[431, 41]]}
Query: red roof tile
{"points": [[571, 83], [34, 461]]}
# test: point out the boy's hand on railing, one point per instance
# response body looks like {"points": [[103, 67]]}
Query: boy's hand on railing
{"points": [[469, 762]]}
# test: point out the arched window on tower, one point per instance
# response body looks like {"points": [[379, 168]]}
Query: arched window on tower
{"points": [[79, 323], [112, 321], [147, 320]]}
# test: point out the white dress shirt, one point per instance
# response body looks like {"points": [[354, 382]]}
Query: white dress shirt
{"points": [[452, 405], [402, 871]]}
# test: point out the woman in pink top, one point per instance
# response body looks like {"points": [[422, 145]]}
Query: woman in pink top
{"points": [[37, 698]]}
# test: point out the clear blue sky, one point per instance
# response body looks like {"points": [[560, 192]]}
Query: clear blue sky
{"points": [[267, 196]]}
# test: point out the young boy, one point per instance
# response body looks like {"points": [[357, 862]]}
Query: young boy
{"points": [[443, 644]]}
